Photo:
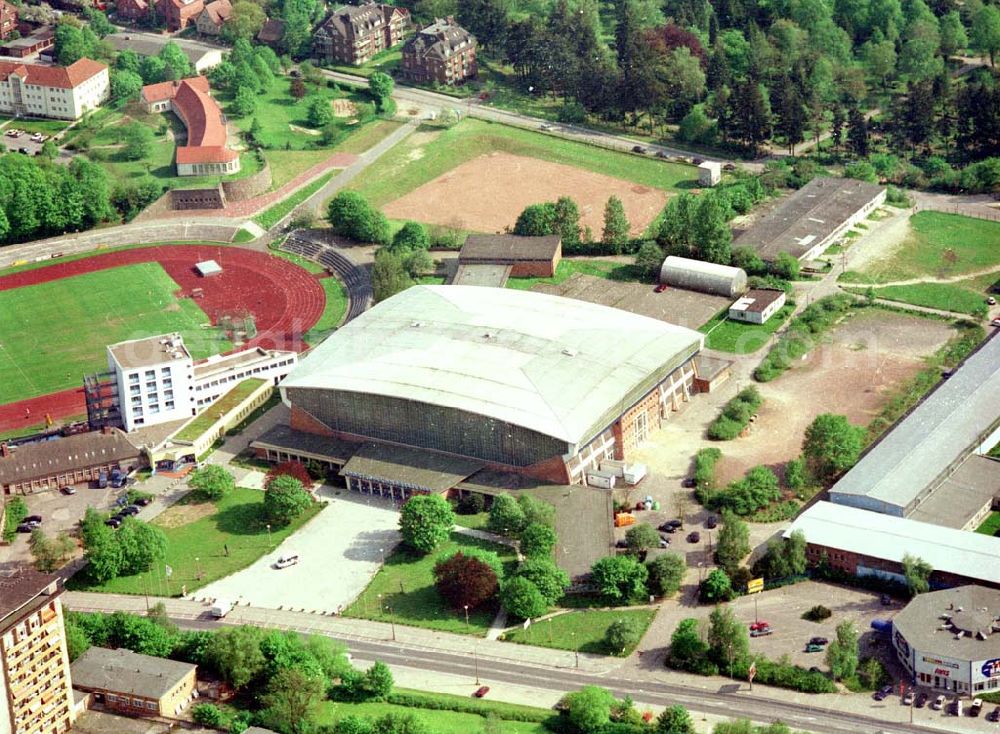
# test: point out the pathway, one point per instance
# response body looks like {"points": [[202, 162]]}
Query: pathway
{"points": [[949, 279]]}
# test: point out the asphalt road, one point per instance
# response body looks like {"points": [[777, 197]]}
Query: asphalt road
{"points": [[720, 702]]}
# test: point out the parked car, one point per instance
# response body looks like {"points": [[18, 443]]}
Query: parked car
{"points": [[662, 154], [995, 322], [882, 693], [621, 543], [481, 691], [688, 483], [694, 536], [921, 701], [761, 632], [289, 558], [814, 669], [759, 624], [67, 490], [994, 715], [638, 149], [814, 648], [728, 166], [819, 641], [938, 703], [660, 288], [711, 522], [908, 698], [26, 527], [113, 522], [664, 542], [143, 501], [991, 301], [102, 480], [545, 126], [667, 528], [976, 707], [35, 519], [131, 510]]}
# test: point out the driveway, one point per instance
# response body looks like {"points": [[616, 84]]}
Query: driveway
{"points": [[339, 551]]}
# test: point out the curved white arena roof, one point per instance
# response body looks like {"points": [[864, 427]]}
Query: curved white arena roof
{"points": [[554, 365]]}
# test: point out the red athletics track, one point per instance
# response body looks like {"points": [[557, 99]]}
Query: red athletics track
{"points": [[286, 302]]}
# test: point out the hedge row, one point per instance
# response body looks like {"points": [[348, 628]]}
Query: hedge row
{"points": [[736, 415], [704, 468], [786, 675], [436, 702], [801, 335]]}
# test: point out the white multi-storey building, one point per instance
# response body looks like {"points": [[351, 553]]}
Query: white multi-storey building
{"points": [[62, 92], [158, 381]]}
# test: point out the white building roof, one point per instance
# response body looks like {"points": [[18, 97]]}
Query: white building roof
{"points": [[149, 352], [550, 364], [938, 433], [208, 267], [888, 537], [701, 266]]}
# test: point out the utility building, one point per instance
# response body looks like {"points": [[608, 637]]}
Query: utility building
{"points": [[705, 277]]}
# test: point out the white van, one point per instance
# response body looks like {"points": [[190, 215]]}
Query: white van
{"points": [[221, 608], [289, 558]]}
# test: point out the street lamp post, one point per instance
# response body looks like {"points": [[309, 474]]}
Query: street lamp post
{"points": [[197, 562], [269, 535], [382, 552], [466, 607], [475, 659], [392, 623]]}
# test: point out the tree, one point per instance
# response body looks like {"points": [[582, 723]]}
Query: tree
{"points": [[236, 654], [688, 651], [380, 87], [589, 708], [297, 88], [175, 62], [245, 22], [642, 537], [487, 20], [842, 653], [674, 720], [389, 275], [101, 549], [212, 482], [616, 225], [857, 133], [425, 522], [953, 36], [70, 44], [152, 69], [550, 580], [537, 511], [351, 215], [125, 85], [985, 32], [623, 634], [141, 544], [506, 516], [285, 499], [536, 220], [538, 540], [791, 112], [464, 581], [411, 236], [831, 445], [138, 141], [378, 681], [649, 259], [567, 222], [521, 598], [918, 573], [417, 263], [292, 696], [716, 587], [244, 102], [294, 469], [666, 573], [710, 231], [733, 544], [728, 642], [320, 111], [50, 553], [619, 578]]}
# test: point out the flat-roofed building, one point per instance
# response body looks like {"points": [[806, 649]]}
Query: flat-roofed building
{"points": [[757, 306], [528, 257], [811, 219], [134, 684], [35, 692]]}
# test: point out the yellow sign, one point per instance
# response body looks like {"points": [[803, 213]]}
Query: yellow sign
{"points": [[755, 586]]}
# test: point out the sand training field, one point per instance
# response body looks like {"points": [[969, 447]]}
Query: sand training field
{"points": [[487, 193]]}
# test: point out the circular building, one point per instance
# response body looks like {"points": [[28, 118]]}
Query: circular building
{"points": [[950, 640], [705, 277], [492, 378]]}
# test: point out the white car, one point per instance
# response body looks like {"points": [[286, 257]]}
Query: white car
{"points": [[286, 560]]}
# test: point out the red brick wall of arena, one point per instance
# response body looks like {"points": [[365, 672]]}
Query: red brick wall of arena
{"points": [[624, 428]]}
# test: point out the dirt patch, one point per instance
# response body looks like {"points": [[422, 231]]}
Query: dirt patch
{"points": [[488, 193], [862, 362], [344, 108], [684, 308], [177, 515]]}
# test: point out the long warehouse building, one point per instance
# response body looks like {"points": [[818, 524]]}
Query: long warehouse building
{"points": [[464, 378]]}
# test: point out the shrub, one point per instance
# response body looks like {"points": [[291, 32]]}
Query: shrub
{"points": [[736, 415], [666, 573], [622, 635], [619, 578], [208, 714], [295, 469], [872, 675], [471, 504], [212, 482], [352, 216], [704, 468], [716, 587], [538, 540], [550, 580], [817, 613], [425, 521], [521, 598], [506, 516], [800, 335], [285, 499], [465, 581]]}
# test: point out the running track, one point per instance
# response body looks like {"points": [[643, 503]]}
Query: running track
{"points": [[286, 302]]}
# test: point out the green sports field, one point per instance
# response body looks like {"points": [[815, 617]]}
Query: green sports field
{"points": [[51, 334]]}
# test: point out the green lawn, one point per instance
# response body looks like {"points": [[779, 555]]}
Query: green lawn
{"points": [[45, 127], [287, 164], [160, 165], [438, 722], [271, 216], [990, 525], [406, 585], [479, 521], [193, 430], [940, 245], [52, 333], [368, 136], [333, 312], [385, 61], [582, 630], [196, 549], [944, 296], [739, 337], [417, 160], [567, 268]]}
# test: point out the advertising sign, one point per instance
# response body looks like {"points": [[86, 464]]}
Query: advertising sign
{"points": [[755, 586]]}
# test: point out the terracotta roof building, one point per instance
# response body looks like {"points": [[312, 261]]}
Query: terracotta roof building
{"points": [[62, 92], [205, 152], [82, 457], [179, 13], [272, 31], [135, 11], [353, 34], [442, 53], [213, 17], [8, 19]]}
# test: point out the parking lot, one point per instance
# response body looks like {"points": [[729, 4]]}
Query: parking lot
{"points": [[15, 144], [339, 552]]}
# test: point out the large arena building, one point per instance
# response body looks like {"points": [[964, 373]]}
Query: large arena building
{"points": [[440, 382]]}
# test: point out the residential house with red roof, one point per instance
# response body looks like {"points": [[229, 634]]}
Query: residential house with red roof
{"points": [[135, 11], [213, 17], [61, 92], [8, 19], [205, 152], [179, 13]]}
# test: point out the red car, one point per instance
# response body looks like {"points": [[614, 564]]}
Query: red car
{"points": [[660, 288], [759, 625], [481, 691]]}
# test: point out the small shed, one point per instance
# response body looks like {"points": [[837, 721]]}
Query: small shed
{"points": [[757, 306], [706, 277], [208, 268], [709, 173]]}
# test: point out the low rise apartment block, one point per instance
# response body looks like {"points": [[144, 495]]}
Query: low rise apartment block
{"points": [[353, 34], [442, 53], [60, 92]]}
